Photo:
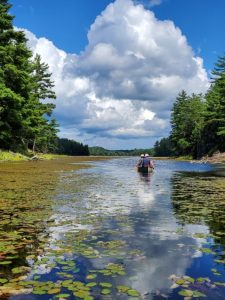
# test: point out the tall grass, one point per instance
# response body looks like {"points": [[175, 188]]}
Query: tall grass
{"points": [[11, 156]]}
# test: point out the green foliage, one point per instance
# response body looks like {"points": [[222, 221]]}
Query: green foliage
{"points": [[198, 124], [41, 129], [10, 118], [70, 147], [163, 147], [214, 129], [25, 120], [99, 151], [10, 156], [187, 120]]}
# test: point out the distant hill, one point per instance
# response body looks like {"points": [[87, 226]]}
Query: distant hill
{"points": [[100, 151]]}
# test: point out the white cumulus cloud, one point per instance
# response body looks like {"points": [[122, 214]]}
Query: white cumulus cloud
{"points": [[123, 84]]}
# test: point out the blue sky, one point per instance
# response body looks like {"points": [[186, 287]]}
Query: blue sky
{"points": [[67, 22], [114, 73]]}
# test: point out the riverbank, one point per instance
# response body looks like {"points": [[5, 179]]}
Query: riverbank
{"points": [[6, 156], [216, 158], [11, 156]]}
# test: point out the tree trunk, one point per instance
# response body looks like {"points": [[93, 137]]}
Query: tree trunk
{"points": [[33, 149]]}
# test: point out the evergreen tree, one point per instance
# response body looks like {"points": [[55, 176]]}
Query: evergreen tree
{"points": [[25, 120], [41, 129], [187, 120], [214, 130], [10, 117], [163, 147], [14, 79], [177, 115], [70, 147]]}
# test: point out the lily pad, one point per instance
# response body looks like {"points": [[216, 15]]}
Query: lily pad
{"points": [[81, 294], [53, 291], [133, 293], [186, 293], [122, 288], [105, 284], [197, 294], [91, 284], [6, 262], [3, 280], [91, 276], [180, 281], [62, 296], [105, 292]]}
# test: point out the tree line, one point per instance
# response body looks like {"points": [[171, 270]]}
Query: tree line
{"points": [[26, 96], [70, 147], [100, 151], [197, 121]]}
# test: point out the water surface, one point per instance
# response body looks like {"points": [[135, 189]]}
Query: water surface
{"points": [[108, 232]]}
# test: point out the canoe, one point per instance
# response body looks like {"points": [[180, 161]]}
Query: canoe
{"points": [[145, 169]]}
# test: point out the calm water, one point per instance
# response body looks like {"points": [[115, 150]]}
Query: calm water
{"points": [[113, 233]]}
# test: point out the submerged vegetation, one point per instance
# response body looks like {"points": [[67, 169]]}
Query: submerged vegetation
{"points": [[70, 232], [26, 244]]}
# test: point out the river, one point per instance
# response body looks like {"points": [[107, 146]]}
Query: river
{"points": [[105, 231]]}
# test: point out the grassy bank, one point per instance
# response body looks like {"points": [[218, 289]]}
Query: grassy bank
{"points": [[11, 156]]}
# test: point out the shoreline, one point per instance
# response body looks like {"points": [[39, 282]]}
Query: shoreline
{"points": [[216, 158], [9, 156]]}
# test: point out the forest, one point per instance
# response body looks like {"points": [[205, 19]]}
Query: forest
{"points": [[100, 151], [197, 121], [27, 96]]}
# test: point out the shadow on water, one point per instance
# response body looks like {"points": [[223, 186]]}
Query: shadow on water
{"points": [[114, 233]]}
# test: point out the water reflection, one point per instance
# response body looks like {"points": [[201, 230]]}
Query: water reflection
{"points": [[145, 177], [137, 206], [156, 235]]}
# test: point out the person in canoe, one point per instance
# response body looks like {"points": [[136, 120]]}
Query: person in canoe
{"points": [[145, 164], [148, 162], [140, 162]]}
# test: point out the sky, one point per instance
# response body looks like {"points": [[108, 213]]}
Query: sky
{"points": [[119, 65]]}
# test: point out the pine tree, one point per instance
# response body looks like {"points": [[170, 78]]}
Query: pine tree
{"points": [[214, 130], [14, 79], [187, 121], [42, 129], [178, 133], [24, 84]]}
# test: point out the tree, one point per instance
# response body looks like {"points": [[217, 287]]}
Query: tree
{"points": [[214, 130], [10, 118], [163, 147], [14, 78], [25, 120], [41, 129], [70, 147], [187, 121]]}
